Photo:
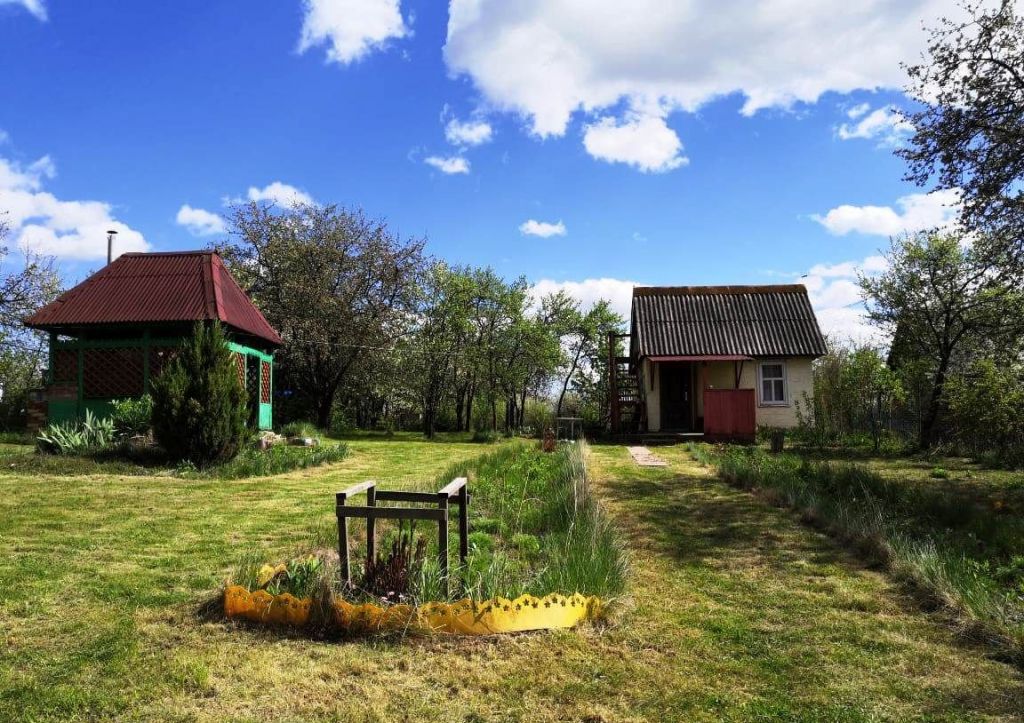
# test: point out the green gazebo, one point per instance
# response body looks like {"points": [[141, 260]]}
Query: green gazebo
{"points": [[115, 331]]}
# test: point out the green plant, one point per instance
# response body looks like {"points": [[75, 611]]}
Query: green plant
{"points": [[199, 409], [132, 417], [90, 433], [390, 576], [479, 540], [939, 473], [253, 462], [527, 545], [483, 436], [300, 576], [300, 430]]}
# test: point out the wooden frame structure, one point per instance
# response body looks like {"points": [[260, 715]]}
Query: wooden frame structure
{"points": [[455, 492]]}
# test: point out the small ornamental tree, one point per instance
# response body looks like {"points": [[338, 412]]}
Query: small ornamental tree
{"points": [[199, 408]]}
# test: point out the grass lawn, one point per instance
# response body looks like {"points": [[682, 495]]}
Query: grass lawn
{"points": [[736, 611], [975, 482]]}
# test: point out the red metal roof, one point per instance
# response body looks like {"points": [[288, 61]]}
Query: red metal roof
{"points": [[166, 287]]}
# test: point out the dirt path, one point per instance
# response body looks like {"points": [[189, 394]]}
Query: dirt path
{"points": [[744, 612]]}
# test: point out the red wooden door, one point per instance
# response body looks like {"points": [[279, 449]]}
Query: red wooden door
{"points": [[729, 414]]}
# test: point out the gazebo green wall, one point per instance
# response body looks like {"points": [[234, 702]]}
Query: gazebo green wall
{"points": [[90, 372]]}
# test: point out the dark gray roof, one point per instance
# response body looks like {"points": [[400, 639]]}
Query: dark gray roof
{"points": [[755, 321]]}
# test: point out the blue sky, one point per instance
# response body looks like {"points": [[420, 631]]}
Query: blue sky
{"points": [[670, 143]]}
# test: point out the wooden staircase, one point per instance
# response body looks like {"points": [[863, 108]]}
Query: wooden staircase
{"points": [[625, 400]]}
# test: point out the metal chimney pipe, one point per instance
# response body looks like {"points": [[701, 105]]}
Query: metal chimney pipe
{"points": [[110, 245]]}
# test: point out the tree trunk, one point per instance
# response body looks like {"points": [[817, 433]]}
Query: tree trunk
{"points": [[931, 414], [565, 384], [324, 403]]}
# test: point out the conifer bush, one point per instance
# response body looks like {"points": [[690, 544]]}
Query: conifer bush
{"points": [[199, 407]]}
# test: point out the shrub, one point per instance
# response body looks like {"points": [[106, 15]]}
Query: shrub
{"points": [[89, 434], [300, 430], [483, 436], [132, 417], [199, 408], [940, 473]]}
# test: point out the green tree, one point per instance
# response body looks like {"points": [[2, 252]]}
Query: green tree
{"points": [[583, 336], [853, 389], [199, 407], [969, 125], [986, 399], [439, 338], [339, 286], [946, 302], [28, 285]]}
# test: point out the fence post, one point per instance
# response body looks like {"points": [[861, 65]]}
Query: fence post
{"points": [[463, 523], [442, 536], [346, 573], [371, 536]]}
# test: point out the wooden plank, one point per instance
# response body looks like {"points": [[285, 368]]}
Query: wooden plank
{"points": [[453, 487], [346, 572], [463, 523], [371, 536], [390, 513], [442, 536], [402, 496], [356, 489]]}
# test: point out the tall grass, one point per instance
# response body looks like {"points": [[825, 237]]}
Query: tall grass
{"points": [[521, 494], [960, 556]]}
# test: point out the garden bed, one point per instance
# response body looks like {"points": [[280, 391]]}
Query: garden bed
{"points": [[542, 553]]}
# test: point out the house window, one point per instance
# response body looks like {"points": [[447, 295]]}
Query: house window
{"points": [[773, 382]]}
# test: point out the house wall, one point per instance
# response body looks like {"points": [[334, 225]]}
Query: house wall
{"points": [[652, 395], [721, 375]]}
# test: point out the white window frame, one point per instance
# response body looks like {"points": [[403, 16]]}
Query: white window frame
{"points": [[760, 383]]}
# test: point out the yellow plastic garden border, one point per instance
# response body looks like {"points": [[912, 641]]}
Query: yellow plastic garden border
{"points": [[464, 617]]}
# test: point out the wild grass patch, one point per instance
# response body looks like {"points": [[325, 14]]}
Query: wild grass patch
{"points": [[963, 557], [278, 459]]}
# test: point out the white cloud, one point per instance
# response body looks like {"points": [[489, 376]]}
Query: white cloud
{"points": [[549, 60], [837, 301], [542, 228], [453, 164], [872, 264], [43, 223], [350, 28], [36, 7], [589, 291], [858, 110], [280, 193], [916, 212], [468, 133], [200, 222], [883, 123], [642, 141]]}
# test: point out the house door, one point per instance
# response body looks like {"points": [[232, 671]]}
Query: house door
{"points": [[676, 397]]}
